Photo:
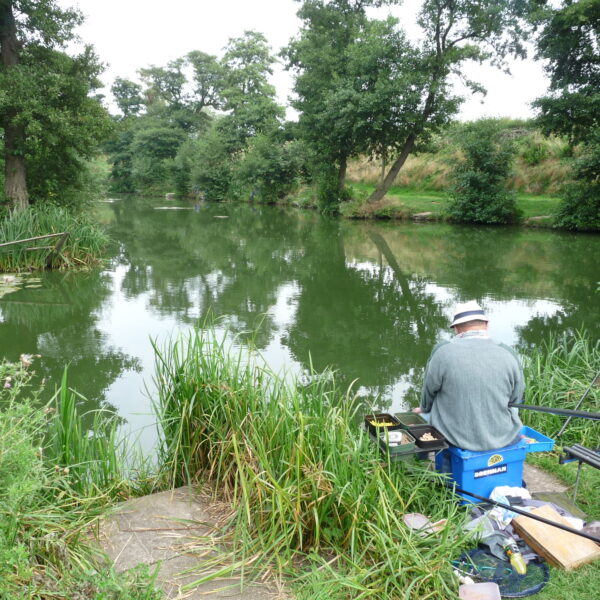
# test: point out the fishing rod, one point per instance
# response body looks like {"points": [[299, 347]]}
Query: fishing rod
{"points": [[589, 536], [565, 412], [566, 423]]}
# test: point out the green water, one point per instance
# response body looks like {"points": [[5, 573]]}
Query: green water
{"points": [[367, 299]]}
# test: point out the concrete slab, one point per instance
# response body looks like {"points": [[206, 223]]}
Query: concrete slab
{"points": [[172, 530]]}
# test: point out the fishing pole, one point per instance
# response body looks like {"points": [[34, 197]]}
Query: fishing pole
{"points": [[565, 412], [566, 423], [589, 536]]}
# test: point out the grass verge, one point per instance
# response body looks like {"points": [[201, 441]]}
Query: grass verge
{"points": [[84, 247], [54, 488], [402, 203]]}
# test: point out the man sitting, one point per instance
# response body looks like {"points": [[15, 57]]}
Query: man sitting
{"points": [[469, 382]]}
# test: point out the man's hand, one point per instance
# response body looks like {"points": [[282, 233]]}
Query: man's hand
{"points": [[417, 410]]}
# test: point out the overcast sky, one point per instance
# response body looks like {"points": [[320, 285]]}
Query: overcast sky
{"points": [[132, 34]]}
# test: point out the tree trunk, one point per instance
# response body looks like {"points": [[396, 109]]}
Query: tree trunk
{"points": [[388, 180], [383, 168], [15, 183], [342, 172]]}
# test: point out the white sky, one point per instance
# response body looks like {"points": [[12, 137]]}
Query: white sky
{"points": [[132, 34]]}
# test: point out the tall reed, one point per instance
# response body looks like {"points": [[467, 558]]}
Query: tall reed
{"points": [[97, 460], [557, 373], [84, 247], [56, 482], [303, 477]]}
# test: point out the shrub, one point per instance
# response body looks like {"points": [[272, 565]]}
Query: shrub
{"points": [[480, 192], [269, 169], [580, 206]]}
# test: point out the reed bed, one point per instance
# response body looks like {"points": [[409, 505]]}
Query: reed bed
{"points": [[557, 373], [307, 487], [84, 247]]}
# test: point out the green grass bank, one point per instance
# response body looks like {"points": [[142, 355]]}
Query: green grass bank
{"points": [[306, 496]]}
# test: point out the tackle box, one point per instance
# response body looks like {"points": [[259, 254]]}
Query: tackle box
{"points": [[381, 418], [410, 419], [536, 441]]}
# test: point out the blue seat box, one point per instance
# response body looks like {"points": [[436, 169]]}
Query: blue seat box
{"points": [[542, 443], [481, 472]]}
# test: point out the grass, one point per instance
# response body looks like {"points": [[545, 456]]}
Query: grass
{"points": [[54, 488], [305, 483], [402, 203], [84, 247], [557, 374], [311, 499]]}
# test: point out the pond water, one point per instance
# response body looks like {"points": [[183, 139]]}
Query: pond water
{"points": [[368, 299]]}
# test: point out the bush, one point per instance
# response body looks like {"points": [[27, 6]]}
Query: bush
{"points": [[580, 206], [269, 170], [480, 192], [212, 165]]}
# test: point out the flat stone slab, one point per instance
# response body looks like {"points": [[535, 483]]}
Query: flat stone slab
{"points": [[167, 530]]}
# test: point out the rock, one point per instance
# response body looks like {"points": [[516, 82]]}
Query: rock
{"points": [[167, 530], [423, 216]]}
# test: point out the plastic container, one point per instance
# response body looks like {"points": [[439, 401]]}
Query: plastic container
{"points": [[386, 418], [542, 442], [481, 472], [479, 591], [396, 448], [410, 419], [418, 430]]}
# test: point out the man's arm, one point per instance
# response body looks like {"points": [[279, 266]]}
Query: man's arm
{"points": [[431, 384]]}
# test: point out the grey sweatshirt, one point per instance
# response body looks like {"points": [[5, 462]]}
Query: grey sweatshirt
{"points": [[468, 384]]}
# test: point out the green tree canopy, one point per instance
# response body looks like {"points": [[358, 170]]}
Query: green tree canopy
{"points": [[569, 42], [50, 122]]}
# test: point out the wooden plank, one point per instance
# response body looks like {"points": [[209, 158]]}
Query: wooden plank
{"points": [[560, 548], [32, 239]]}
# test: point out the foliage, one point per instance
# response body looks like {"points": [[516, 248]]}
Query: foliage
{"points": [[269, 169], [84, 247], [569, 43], [346, 79], [304, 479], [211, 166], [51, 122], [480, 193], [580, 207], [163, 141], [44, 514]]}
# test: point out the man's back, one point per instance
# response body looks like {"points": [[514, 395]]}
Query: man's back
{"points": [[472, 379]]}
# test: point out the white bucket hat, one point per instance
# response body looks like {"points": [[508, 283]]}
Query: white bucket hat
{"points": [[468, 311]]}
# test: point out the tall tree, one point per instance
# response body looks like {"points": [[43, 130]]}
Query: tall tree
{"points": [[455, 32], [325, 77], [248, 97], [128, 96], [24, 23], [569, 42]]}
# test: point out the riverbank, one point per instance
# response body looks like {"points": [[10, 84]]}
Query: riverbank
{"points": [[313, 501], [56, 483], [303, 495], [407, 204]]}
